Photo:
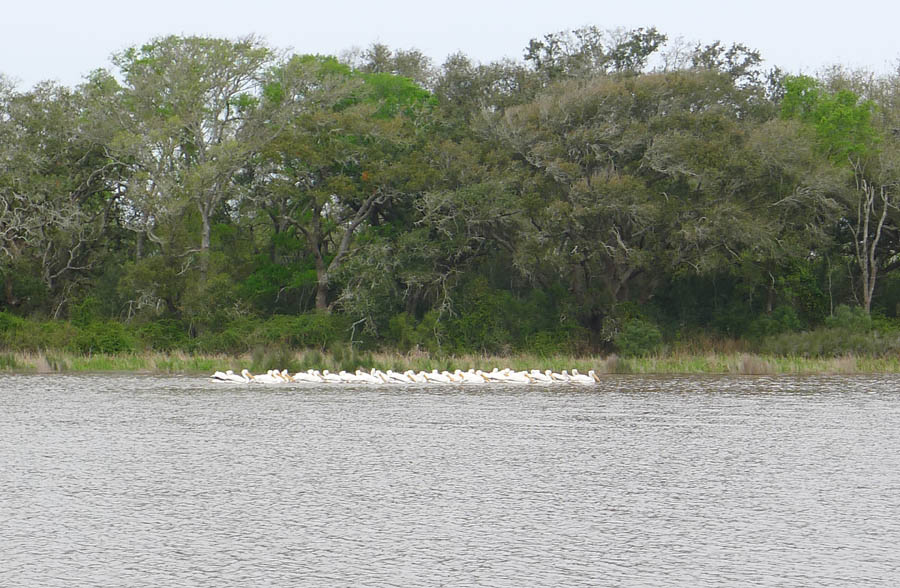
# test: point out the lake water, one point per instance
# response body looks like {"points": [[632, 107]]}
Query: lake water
{"points": [[638, 481]]}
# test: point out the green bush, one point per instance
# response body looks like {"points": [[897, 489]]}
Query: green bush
{"points": [[783, 319], [401, 332], [638, 338], [314, 329], [854, 319], [164, 335], [31, 335], [10, 327], [566, 339], [103, 337], [850, 330], [482, 321], [431, 332], [827, 342], [492, 320], [85, 312], [237, 337]]}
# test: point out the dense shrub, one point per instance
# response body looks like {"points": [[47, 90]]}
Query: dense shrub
{"points": [[238, 336], [637, 338], [826, 342], [854, 319], [783, 319], [103, 337], [85, 311], [313, 329], [164, 335], [567, 338], [492, 320], [847, 331], [405, 333], [10, 323], [32, 335], [482, 319]]}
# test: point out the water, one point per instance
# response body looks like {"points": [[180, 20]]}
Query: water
{"points": [[176, 481]]}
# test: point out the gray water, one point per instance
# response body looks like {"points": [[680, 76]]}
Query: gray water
{"points": [[177, 481]]}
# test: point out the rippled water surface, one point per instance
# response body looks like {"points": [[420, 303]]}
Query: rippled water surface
{"points": [[176, 481]]}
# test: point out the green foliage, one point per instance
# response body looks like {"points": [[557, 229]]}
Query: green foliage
{"points": [[828, 342], [236, 337], [274, 287], [850, 330], [10, 323], [394, 94], [164, 335], [842, 120], [401, 332], [490, 320], [783, 319], [85, 312], [103, 337], [33, 335], [210, 195], [638, 338], [853, 319], [316, 329], [482, 321]]}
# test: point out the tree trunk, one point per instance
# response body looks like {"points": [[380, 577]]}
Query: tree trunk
{"points": [[204, 246], [139, 246], [321, 285], [867, 236], [11, 300]]}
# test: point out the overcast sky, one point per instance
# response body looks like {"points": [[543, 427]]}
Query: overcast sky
{"points": [[63, 41]]}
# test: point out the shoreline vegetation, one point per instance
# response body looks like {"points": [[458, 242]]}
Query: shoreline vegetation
{"points": [[678, 363], [612, 201]]}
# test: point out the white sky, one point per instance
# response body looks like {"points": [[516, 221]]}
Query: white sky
{"points": [[64, 40]]}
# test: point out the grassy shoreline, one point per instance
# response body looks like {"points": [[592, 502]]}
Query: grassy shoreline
{"points": [[672, 363]]}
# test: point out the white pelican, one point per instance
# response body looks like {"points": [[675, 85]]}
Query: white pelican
{"points": [[230, 376], [418, 378], [582, 378], [347, 377], [495, 375], [306, 376], [519, 378], [367, 377], [542, 377], [329, 377], [395, 377], [436, 377], [268, 378], [471, 377], [242, 378]]}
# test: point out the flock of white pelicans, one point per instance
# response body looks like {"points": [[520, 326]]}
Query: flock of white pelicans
{"points": [[374, 376]]}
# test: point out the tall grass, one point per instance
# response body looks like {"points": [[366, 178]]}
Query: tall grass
{"points": [[348, 359]]}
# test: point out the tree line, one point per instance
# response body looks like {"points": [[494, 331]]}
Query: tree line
{"points": [[609, 191]]}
